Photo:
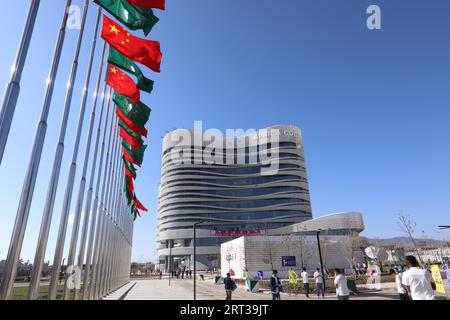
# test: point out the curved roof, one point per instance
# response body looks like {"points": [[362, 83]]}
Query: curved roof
{"points": [[335, 221]]}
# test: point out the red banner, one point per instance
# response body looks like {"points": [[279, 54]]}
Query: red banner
{"points": [[238, 233]]}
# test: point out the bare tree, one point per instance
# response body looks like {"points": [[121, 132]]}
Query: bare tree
{"points": [[354, 245], [269, 252], [408, 225], [325, 246]]}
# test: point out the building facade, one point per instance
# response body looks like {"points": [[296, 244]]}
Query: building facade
{"points": [[296, 247], [244, 185]]}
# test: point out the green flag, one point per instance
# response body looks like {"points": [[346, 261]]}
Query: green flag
{"points": [[128, 194], [135, 212], [129, 147], [130, 132], [134, 18], [130, 168], [119, 60], [138, 114], [136, 155]]}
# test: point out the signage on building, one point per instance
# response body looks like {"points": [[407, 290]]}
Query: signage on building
{"points": [[237, 233], [288, 261]]}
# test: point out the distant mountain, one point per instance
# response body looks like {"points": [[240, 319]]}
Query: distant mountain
{"points": [[405, 241]]}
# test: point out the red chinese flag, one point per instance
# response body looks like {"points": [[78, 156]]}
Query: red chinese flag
{"points": [[134, 143], [155, 4], [138, 204], [127, 156], [130, 124], [147, 52], [123, 84]]}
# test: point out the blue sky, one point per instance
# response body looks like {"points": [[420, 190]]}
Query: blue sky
{"points": [[372, 105]]}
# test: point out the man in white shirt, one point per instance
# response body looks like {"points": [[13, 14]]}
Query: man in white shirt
{"points": [[319, 283], [418, 282], [305, 280], [340, 282], [398, 281]]}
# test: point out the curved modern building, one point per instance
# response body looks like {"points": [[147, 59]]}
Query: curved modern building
{"points": [[228, 187]]}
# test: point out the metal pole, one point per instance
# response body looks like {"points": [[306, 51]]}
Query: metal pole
{"points": [[107, 212], [109, 273], [321, 262], [100, 219], [195, 261], [170, 261], [104, 230], [13, 89], [117, 235], [56, 170], [88, 215], [113, 199], [95, 221], [82, 186], [71, 178], [33, 168]]}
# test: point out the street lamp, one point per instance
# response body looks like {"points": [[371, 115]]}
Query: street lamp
{"points": [[320, 257], [170, 261], [195, 255]]}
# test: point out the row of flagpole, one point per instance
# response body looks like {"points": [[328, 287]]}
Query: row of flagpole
{"points": [[107, 227]]}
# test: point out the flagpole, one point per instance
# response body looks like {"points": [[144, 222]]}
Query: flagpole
{"points": [[93, 288], [33, 168], [82, 186], [123, 226], [89, 218], [98, 205], [13, 89], [113, 223], [108, 243], [105, 231], [111, 274], [70, 181], [120, 238], [95, 220], [115, 229], [104, 244], [56, 170]]}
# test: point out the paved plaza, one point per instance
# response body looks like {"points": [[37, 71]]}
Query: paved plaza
{"points": [[155, 289]]}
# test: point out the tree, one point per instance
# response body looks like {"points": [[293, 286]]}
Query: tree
{"points": [[269, 252], [408, 225], [354, 245]]}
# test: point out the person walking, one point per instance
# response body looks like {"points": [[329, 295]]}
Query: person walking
{"points": [[340, 282], [418, 282], [319, 283], [305, 281], [230, 286], [275, 286], [403, 294]]}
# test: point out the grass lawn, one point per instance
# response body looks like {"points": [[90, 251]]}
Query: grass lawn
{"points": [[21, 293]]}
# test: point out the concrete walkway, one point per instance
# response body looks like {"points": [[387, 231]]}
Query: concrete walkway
{"points": [[206, 290], [121, 292]]}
